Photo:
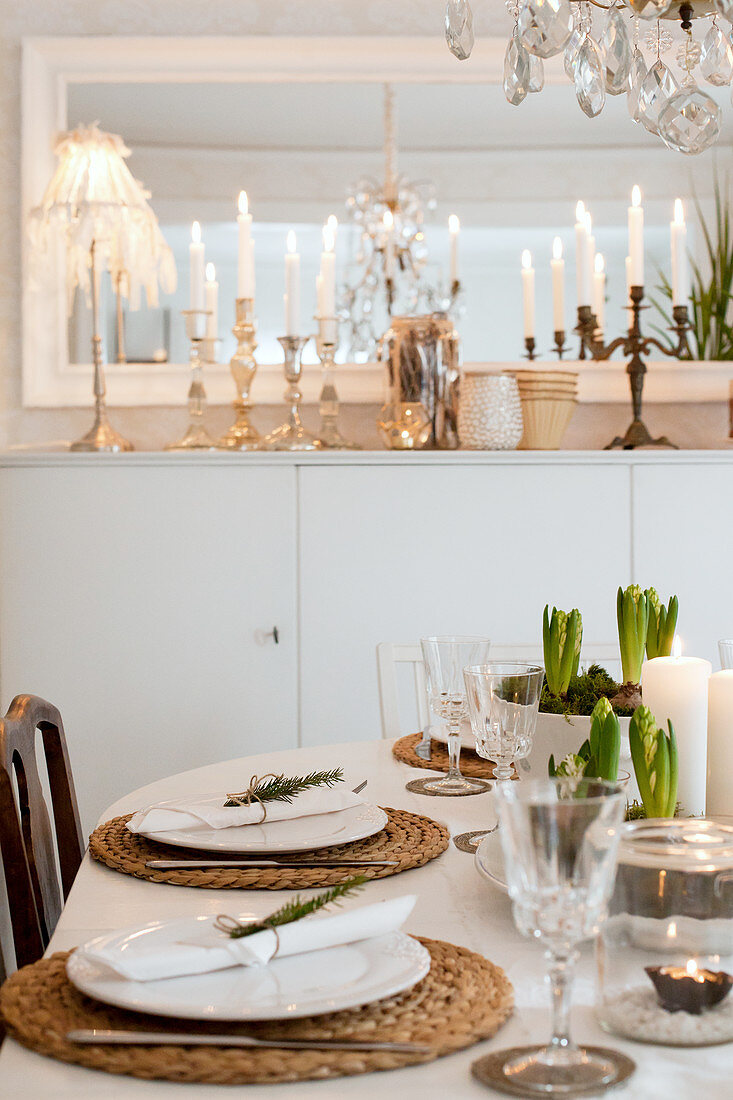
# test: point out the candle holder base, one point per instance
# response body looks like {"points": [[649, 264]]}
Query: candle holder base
{"points": [[290, 437], [242, 436], [332, 440], [102, 437], [638, 435], [329, 436], [196, 438]]}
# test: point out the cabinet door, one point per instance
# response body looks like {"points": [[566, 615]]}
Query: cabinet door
{"points": [[136, 598], [390, 553], [683, 533]]}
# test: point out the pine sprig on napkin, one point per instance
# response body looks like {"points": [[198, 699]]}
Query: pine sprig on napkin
{"points": [[283, 788], [291, 911]]}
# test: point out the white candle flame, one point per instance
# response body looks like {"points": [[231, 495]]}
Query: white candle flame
{"points": [[599, 263], [243, 203], [526, 259], [693, 971], [292, 243], [635, 196], [557, 249], [453, 224], [210, 273], [677, 646], [329, 238], [588, 223], [388, 220], [679, 212], [580, 211], [332, 223], [196, 233]]}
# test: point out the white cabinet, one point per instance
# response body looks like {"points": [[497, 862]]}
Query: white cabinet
{"points": [[390, 554], [137, 597], [683, 543]]}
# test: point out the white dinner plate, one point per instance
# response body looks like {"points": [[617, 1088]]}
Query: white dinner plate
{"points": [[468, 741], [302, 834], [489, 860], [300, 985]]}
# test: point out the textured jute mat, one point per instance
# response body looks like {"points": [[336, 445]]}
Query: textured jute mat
{"points": [[472, 764], [463, 999], [411, 839]]}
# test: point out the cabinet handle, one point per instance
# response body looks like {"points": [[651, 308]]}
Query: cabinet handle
{"points": [[275, 635]]}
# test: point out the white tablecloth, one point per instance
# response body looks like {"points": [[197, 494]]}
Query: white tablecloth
{"points": [[454, 903]]}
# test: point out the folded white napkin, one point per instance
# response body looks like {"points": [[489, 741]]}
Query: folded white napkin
{"points": [[210, 810], [148, 957]]}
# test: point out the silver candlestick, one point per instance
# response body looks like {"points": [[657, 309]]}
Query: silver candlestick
{"points": [[242, 436], [329, 436], [291, 435], [195, 438]]}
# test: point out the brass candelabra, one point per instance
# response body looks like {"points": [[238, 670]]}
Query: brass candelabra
{"points": [[636, 345]]}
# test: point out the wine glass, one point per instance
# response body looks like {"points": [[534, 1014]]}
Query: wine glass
{"points": [[503, 699], [445, 657], [560, 839]]}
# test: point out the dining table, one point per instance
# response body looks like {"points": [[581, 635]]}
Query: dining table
{"points": [[454, 903]]}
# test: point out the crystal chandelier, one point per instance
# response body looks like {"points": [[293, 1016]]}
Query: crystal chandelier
{"points": [[602, 57], [388, 273]]}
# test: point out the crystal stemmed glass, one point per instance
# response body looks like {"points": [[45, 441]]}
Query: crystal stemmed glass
{"points": [[503, 699], [444, 658], [725, 650], [560, 839]]}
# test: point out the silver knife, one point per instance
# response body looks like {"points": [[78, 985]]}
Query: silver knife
{"points": [[146, 1038], [182, 864]]}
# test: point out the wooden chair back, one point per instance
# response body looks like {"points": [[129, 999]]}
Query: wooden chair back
{"points": [[26, 837]]}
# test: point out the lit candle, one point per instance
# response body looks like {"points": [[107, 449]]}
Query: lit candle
{"points": [[326, 284], [245, 265], [211, 289], [599, 290], [627, 268], [388, 223], [636, 238], [581, 256], [676, 688], [590, 248], [454, 228], [528, 293], [292, 287], [720, 743], [197, 299], [557, 266], [678, 245]]}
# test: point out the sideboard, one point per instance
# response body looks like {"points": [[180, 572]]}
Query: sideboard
{"points": [[181, 609]]}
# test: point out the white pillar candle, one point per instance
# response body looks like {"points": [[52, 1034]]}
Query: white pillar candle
{"points": [[557, 266], [245, 258], [627, 268], [720, 744], [590, 248], [676, 688], [454, 228], [197, 301], [678, 247], [599, 290], [388, 223], [292, 287], [211, 289], [528, 293], [636, 238], [328, 273], [581, 256]]}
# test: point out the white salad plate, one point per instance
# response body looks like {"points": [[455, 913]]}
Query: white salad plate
{"points": [[489, 860], [301, 834], [299, 985]]}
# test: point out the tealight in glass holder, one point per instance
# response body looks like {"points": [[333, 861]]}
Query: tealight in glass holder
{"points": [[329, 436], [196, 437], [242, 436], [291, 435], [665, 954]]}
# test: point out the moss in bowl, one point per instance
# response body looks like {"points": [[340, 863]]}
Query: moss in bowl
{"points": [[582, 693]]}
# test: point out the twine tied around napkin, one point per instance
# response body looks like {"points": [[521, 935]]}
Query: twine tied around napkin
{"points": [[233, 928], [246, 798]]}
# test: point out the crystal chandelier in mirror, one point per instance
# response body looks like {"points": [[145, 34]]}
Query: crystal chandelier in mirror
{"points": [[599, 41], [388, 274]]}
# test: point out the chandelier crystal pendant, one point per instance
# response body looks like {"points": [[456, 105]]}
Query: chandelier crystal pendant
{"points": [[606, 59]]}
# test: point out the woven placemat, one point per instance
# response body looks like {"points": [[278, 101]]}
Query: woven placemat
{"points": [[411, 839], [471, 763], [464, 999]]}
